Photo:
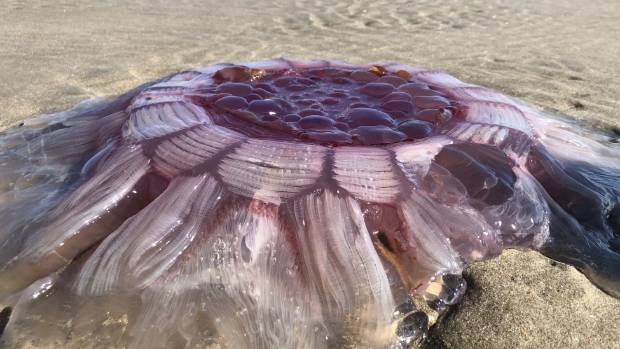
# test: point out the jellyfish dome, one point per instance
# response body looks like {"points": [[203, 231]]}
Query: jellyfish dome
{"points": [[287, 204]]}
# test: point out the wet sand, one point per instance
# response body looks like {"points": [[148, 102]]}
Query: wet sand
{"points": [[559, 55]]}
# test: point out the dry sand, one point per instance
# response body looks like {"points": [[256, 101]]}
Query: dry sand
{"points": [[560, 55]]}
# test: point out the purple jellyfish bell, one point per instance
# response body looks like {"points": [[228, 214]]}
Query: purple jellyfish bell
{"points": [[287, 204]]}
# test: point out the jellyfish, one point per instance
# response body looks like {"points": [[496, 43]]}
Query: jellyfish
{"points": [[287, 204]]}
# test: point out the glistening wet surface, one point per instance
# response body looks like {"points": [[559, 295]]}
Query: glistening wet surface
{"points": [[559, 55], [334, 106], [286, 203]]}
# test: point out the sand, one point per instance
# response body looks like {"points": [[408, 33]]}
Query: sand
{"points": [[524, 300], [559, 55]]}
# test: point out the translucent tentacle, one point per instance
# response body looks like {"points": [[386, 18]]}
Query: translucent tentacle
{"points": [[340, 259], [115, 192]]}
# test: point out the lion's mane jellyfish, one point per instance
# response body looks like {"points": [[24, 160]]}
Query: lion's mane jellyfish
{"points": [[287, 204]]}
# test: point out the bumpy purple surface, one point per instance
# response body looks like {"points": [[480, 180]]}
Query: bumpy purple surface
{"points": [[287, 204]]}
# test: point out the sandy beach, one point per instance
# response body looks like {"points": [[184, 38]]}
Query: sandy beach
{"points": [[561, 56]]}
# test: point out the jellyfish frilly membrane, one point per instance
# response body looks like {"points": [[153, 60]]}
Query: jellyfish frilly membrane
{"points": [[288, 204]]}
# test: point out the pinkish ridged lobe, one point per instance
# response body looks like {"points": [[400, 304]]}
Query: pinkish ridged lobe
{"points": [[367, 173], [192, 148], [500, 114], [163, 118], [271, 171]]}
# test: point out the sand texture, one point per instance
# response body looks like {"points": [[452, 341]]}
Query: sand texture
{"points": [[524, 300], [559, 55]]}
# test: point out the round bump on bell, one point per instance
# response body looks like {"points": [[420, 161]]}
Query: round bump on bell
{"points": [[291, 118], [264, 87], [399, 115], [431, 102], [368, 117], [398, 105], [263, 93], [316, 122], [253, 97], [363, 76], [377, 89], [417, 89], [330, 101], [231, 103], [265, 107], [397, 96], [416, 129], [376, 135]]}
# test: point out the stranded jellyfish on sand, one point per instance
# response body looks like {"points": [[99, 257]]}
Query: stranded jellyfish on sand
{"points": [[287, 204]]}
